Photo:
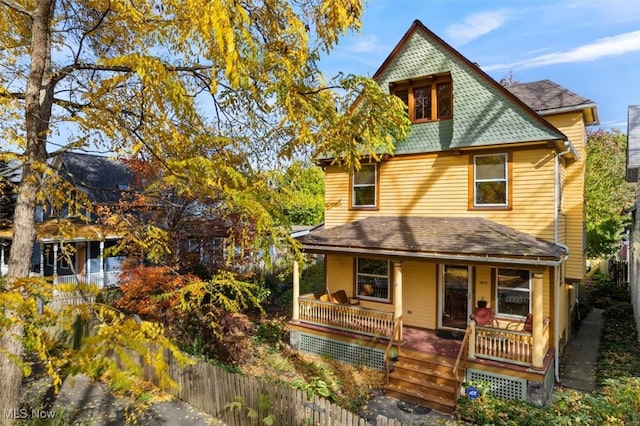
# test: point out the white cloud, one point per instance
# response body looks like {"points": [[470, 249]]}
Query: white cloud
{"points": [[364, 44], [475, 26], [602, 48]]}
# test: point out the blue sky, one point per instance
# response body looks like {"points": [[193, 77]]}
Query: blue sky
{"points": [[591, 47]]}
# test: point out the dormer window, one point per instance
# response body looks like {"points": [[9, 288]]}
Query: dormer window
{"points": [[428, 99]]}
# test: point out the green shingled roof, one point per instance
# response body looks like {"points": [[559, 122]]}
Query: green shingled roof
{"points": [[484, 113]]}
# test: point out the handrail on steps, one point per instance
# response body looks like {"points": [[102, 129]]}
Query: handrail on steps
{"points": [[462, 356], [395, 335]]}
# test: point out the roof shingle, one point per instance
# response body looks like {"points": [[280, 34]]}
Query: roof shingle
{"points": [[446, 236]]}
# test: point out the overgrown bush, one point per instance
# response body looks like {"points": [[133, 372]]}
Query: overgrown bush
{"points": [[204, 318], [604, 292]]}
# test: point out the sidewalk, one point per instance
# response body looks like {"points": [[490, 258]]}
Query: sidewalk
{"points": [[578, 370], [84, 402]]}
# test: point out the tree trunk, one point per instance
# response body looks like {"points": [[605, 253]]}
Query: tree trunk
{"points": [[38, 103]]}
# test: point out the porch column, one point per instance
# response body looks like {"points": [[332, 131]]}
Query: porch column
{"points": [[55, 260], [296, 291], [397, 292], [471, 354], [101, 262], [42, 259], [537, 361], [1, 257]]}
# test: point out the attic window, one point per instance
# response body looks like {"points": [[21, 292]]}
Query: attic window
{"points": [[428, 99], [123, 187]]}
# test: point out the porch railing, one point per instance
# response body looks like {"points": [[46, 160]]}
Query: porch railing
{"points": [[345, 317], [101, 279], [500, 344], [396, 339]]}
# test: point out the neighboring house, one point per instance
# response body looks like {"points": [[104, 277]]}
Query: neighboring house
{"points": [[201, 240], [483, 203], [633, 166], [103, 180]]}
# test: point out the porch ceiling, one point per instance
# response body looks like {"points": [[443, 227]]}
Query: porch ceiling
{"points": [[464, 238]]}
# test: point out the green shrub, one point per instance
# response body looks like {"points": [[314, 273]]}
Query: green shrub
{"points": [[619, 354], [618, 403], [605, 292]]}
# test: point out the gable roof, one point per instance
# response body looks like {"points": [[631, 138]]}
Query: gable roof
{"points": [[633, 143], [485, 113], [546, 97], [101, 178], [443, 238]]}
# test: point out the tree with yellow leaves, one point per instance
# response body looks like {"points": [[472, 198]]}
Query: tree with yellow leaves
{"points": [[216, 91]]}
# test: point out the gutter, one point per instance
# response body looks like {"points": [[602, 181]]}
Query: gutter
{"points": [[556, 216], [575, 108], [534, 261]]}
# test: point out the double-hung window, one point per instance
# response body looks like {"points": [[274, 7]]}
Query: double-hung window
{"points": [[364, 191], [514, 292], [491, 180], [372, 279]]}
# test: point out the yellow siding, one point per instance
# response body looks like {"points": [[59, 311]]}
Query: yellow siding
{"points": [[572, 125], [484, 286], [438, 185], [419, 295]]}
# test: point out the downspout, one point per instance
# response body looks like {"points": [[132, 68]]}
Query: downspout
{"points": [[556, 217]]}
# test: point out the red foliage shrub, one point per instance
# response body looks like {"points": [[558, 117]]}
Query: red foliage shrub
{"points": [[147, 291]]}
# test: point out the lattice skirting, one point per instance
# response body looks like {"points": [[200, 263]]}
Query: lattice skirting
{"points": [[342, 351], [505, 387]]}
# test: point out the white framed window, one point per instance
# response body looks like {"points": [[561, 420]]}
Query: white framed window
{"points": [[364, 191], [372, 279], [490, 180], [513, 289]]}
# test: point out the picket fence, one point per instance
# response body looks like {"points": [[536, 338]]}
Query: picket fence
{"points": [[240, 400]]}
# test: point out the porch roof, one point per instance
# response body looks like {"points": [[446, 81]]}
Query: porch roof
{"points": [[55, 230], [470, 239]]}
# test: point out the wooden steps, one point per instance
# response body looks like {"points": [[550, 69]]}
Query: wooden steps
{"points": [[424, 379]]}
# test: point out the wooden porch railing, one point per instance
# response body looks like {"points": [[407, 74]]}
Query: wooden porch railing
{"points": [[501, 344], [394, 338], [461, 360], [345, 317], [101, 279]]}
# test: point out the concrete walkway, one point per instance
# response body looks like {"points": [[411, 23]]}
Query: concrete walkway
{"points": [[84, 402], [578, 371]]}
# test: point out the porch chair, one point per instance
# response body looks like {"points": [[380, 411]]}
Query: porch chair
{"points": [[484, 317], [525, 325]]}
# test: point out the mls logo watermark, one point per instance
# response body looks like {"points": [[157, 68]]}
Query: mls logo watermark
{"points": [[23, 413]]}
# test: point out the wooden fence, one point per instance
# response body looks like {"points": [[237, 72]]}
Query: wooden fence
{"points": [[619, 270], [246, 401]]}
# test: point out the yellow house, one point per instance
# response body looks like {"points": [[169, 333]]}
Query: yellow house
{"points": [[482, 204]]}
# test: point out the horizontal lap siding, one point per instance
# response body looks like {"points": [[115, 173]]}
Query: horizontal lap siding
{"points": [[439, 186], [419, 294], [572, 125]]}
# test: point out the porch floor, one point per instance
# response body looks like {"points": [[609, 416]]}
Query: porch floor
{"points": [[429, 341]]}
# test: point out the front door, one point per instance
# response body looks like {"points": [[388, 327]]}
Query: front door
{"points": [[455, 292]]}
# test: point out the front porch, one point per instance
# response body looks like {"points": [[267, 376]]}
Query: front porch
{"points": [[505, 343]]}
